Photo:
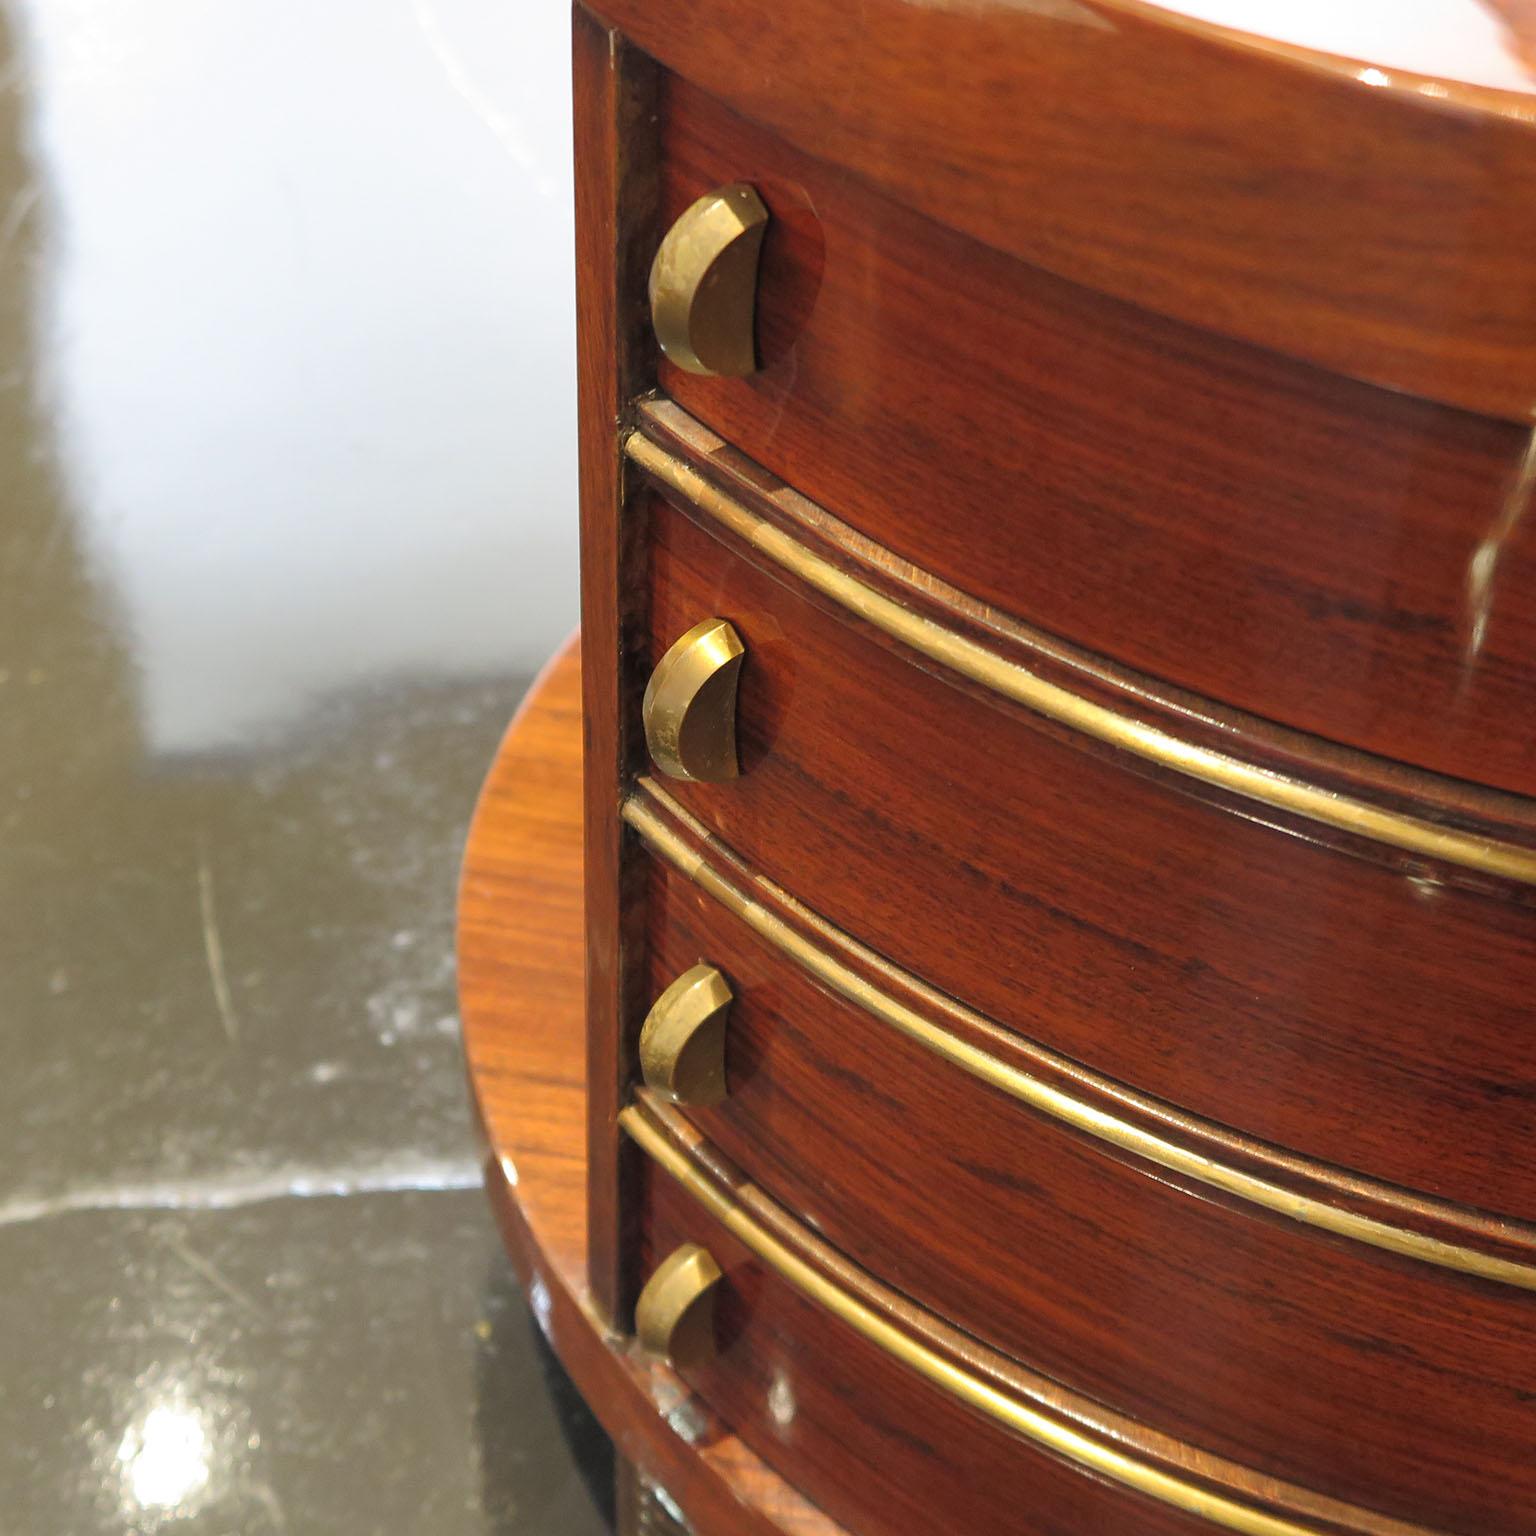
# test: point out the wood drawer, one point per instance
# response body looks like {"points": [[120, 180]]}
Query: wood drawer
{"points": [[1377, 1378], [1344, 559], [893, 1423], [1372, 1016]]}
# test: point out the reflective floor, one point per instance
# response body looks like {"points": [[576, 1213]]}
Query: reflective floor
{"points": [[248, 1280], [274, 571]]}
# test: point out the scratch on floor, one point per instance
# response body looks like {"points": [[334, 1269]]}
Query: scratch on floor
{"points": [[212, 947], [241, 1187], [21, 205], [212, 1274], [269, 1501]]}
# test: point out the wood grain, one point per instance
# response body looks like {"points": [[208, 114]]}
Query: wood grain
{"points": [[1345, 560], [1219, 1159], [889, 1446], [1358, 1374], [1301, 995], [1448, 829], [1215, 363], [614, 91], [1356, 222], [520, 952]]}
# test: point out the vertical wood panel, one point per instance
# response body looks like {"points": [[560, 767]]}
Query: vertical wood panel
{"points": [[615, 139]]}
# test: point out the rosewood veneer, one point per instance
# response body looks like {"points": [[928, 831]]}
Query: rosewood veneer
{"points": [[998, 987]]}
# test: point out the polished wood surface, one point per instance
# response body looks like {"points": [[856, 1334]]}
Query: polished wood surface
{"points": [[1127, 892], [613, 94], [1294, 992], [1481, 42], [1340, 558], [935, 1467], [521, 938], [1198, 1151], [898, 1421], [1468, 833], [1349, 217], [1360, 1374]]}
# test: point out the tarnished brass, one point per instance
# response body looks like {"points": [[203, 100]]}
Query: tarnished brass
{"points": [[704, 283], [675, 1315], [682, 1042], [690, 705]]}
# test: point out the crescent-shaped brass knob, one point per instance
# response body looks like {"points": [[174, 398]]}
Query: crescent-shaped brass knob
{"points": [[689, 707], [675, 1315], [704, 283], [682, 1042]]}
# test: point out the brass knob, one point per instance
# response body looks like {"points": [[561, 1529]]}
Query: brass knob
{"points": [[675, 1315], [690, 705], [704, 283], [682, 1042]]}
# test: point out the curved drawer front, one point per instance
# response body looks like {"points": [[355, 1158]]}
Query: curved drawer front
{"points": [[1379, 1378], [1343, 559], [1370, 1017], [893, 1422]]}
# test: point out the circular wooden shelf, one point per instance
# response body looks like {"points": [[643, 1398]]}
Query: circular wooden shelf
{"points": [[521, 967]]}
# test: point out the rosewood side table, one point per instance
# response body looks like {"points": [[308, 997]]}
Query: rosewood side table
{"points": [[997, 980]]}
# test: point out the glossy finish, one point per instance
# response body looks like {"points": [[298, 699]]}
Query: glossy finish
{"points": [[1480, 42], [675, 1312], [1386, 234], [614, 100], [1125, 884], [959, 1433], [1319, 1195], [682, 1042], [703, 283], [1218, 1323], [689, 707], [521, 938], [247, 1284], [932, 621], [1340, 559], [1187, 952], [259, 1365]]}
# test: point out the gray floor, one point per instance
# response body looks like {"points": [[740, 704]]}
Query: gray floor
{"points": [[248, 1279], [342, 1364], [250, 1282]]}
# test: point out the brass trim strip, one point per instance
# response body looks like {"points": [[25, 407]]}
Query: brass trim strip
{"points": [[974, 661], [1082, 1447], [1042, 1096]]}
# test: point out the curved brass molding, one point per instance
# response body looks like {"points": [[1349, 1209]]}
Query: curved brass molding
{"points": [[1008, 678], [1033, 1091], [1093, 1450]]}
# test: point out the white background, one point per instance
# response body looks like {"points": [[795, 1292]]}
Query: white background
{"points": [[306, 305]]}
